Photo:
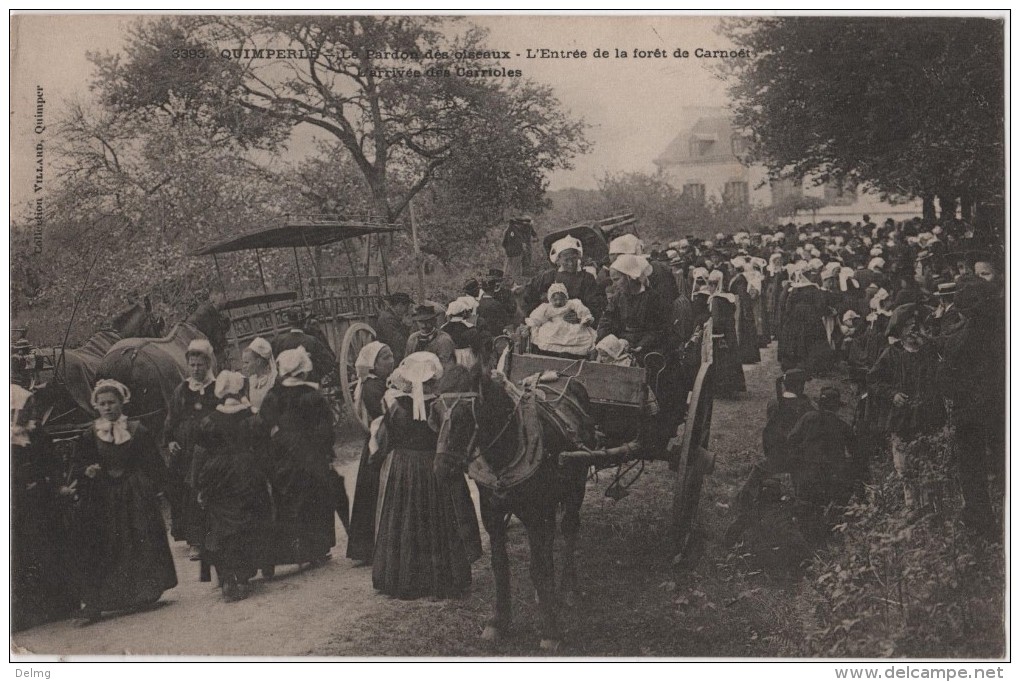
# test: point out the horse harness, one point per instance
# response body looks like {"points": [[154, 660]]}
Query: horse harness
{"points": [[532, 408]]}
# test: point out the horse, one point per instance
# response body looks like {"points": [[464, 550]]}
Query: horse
{"points": [[151, 368], [518, 474], [67, 395]]}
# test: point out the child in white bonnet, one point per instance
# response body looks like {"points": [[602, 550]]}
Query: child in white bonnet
{"points": [[563, 325]]}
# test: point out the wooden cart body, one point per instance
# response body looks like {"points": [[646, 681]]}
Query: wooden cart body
{"points": [[340, 309], [620, 406]]}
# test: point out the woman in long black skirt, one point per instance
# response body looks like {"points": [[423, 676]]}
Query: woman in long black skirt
{"points": [[729, 374], [231, 488], [374, 365], [192, 401], [428, 530], [127, 561]]}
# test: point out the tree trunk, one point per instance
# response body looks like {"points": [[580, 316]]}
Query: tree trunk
{"points": [[948, 207], [989, 222], [966, 208], [928, 209]]}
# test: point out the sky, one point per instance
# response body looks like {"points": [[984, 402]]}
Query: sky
{"points": [[634, 106]]}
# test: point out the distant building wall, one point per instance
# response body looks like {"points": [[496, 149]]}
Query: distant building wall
{"points": [[703, 162]]}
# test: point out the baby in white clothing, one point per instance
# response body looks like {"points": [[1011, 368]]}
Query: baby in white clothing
{"points": [[550, 330]]}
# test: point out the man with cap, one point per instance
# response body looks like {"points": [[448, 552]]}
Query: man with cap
{"points": [[495, 285], [946, 316], [973, 383], [566, 254], [430, 338], [323, 362], [390, 327], [517, 240], [493, 315], [904, 381], [782, 414], [24, 364], [821, 440]]}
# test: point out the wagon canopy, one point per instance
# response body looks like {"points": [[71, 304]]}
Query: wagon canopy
{"points": [[594, 236], [306, 231]]}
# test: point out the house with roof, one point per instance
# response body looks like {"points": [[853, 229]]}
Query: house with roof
{"points": [[705, 161]]}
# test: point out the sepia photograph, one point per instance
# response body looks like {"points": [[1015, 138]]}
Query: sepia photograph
{"points": [[437, 337]]}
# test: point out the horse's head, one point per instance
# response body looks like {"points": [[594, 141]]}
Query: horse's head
{"points": [[472, 414], [208, 319], [138, 320]]}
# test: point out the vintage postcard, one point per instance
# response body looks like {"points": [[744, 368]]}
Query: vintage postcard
{"points": [[649, 337]]}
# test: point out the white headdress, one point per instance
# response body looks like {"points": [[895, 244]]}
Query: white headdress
{"points": [[262, 348], [107, 385], [461, 308], [635, 267], [410, 378], [364, 366], [229, 386], [626, 244], [293, 365], [563, 244], [116, 431], [557, 288]]}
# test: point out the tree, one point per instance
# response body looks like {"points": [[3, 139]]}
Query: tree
{"points": [[404, 96], [911, 106], [129, 200]]}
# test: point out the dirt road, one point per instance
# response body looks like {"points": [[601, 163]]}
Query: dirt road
{"points": [[636, 604], [292, 615]]}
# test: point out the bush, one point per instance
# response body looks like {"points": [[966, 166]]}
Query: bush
{"points": [[902, 582]]}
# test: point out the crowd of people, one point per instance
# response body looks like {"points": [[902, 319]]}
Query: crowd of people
{"points": [[913, 313]]}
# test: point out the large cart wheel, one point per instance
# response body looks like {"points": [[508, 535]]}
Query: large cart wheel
{"points": [[357, 336], [695, 460]]}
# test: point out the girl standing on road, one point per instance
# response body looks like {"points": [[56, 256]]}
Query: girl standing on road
{"points": [[299, 423], [374, 366], [127, 561], [193, 400], [231, 488]]}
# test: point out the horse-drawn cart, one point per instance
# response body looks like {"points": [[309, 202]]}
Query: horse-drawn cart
{"points": [[624, 403], [340, 308]]}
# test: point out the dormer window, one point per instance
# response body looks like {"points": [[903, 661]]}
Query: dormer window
{"points": [[702, 144]]}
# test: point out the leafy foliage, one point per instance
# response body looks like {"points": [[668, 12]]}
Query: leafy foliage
{"points": [[912, 106], [185, 146], [398, 130], [663, 212], [900, 583]]}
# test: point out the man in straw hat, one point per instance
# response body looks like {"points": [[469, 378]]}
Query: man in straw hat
{"points": [[429, 338], [904, 381]]}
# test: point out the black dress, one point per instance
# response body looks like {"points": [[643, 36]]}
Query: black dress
{"points": [[803, 340], [641, 319], [44, 571], [126, 557], [361, 539], [428, 530], [747, 329], [729, 373], [300, 474], [186, 410], [234, 492]]}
